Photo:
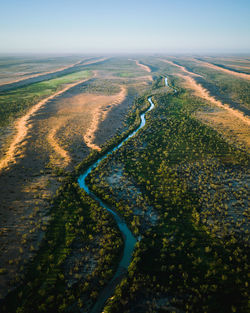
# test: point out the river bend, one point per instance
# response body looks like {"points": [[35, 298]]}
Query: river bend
{"points": [[129, 239]]}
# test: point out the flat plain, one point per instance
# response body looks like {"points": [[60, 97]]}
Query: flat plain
{"points": [[180, 184]]}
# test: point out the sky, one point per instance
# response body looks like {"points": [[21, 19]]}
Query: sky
{"points": [[129, 26]]}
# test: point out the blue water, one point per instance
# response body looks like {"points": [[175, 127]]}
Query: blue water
{"points": [[129, 239]]}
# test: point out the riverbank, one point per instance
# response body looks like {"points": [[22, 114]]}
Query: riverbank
{"points": [[98, 245], [129, 239]]}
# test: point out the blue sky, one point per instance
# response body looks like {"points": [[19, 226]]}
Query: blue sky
{"points": [[148, 26]]}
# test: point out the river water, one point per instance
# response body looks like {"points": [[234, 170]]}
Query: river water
{"points": [[129, 239]]}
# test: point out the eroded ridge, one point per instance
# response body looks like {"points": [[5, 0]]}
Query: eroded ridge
{"points": [[203, 93], [143, 66], [53, 141], [22, 125], [222, 69], [98, 115], [58, 70]]}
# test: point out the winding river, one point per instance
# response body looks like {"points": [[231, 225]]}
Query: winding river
{"points": [[129, 239]]}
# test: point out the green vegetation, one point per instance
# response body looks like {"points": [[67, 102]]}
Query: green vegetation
{"points": [[126, 74], [241, 65], [225, 87], [78, 255], [196, 256], [80, 251], [12, 67], [100, 87], [181, 188], [15, 102]]}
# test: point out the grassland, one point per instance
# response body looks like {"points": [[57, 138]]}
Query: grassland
{"points": [[180, 185]]}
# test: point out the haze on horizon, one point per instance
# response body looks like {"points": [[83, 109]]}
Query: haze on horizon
{"points": [[147, 26]]}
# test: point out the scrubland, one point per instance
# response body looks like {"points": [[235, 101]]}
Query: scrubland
{"points": [[181, 186]]}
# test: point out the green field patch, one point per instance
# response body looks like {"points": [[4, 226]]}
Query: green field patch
{"points": [[13, 103], [126, 74]]}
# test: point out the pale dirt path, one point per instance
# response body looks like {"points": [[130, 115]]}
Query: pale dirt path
{"points": [[22, 126], [144, 67], [218, 68], [99, 115], [201, 92]]}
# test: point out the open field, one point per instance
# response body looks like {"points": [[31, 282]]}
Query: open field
{"points": [[180, 184]]}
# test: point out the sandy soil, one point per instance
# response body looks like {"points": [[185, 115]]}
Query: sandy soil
{"points": [[182, 68], [201, 92], [95, 61], [84, 121], [229, 126], [51, 135], [40, 74], [26, 189], [240, 66], [65, 159], [99, 115], [22, 125], [28, 77], [144, 67], [76, 120], [218, 68]]}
